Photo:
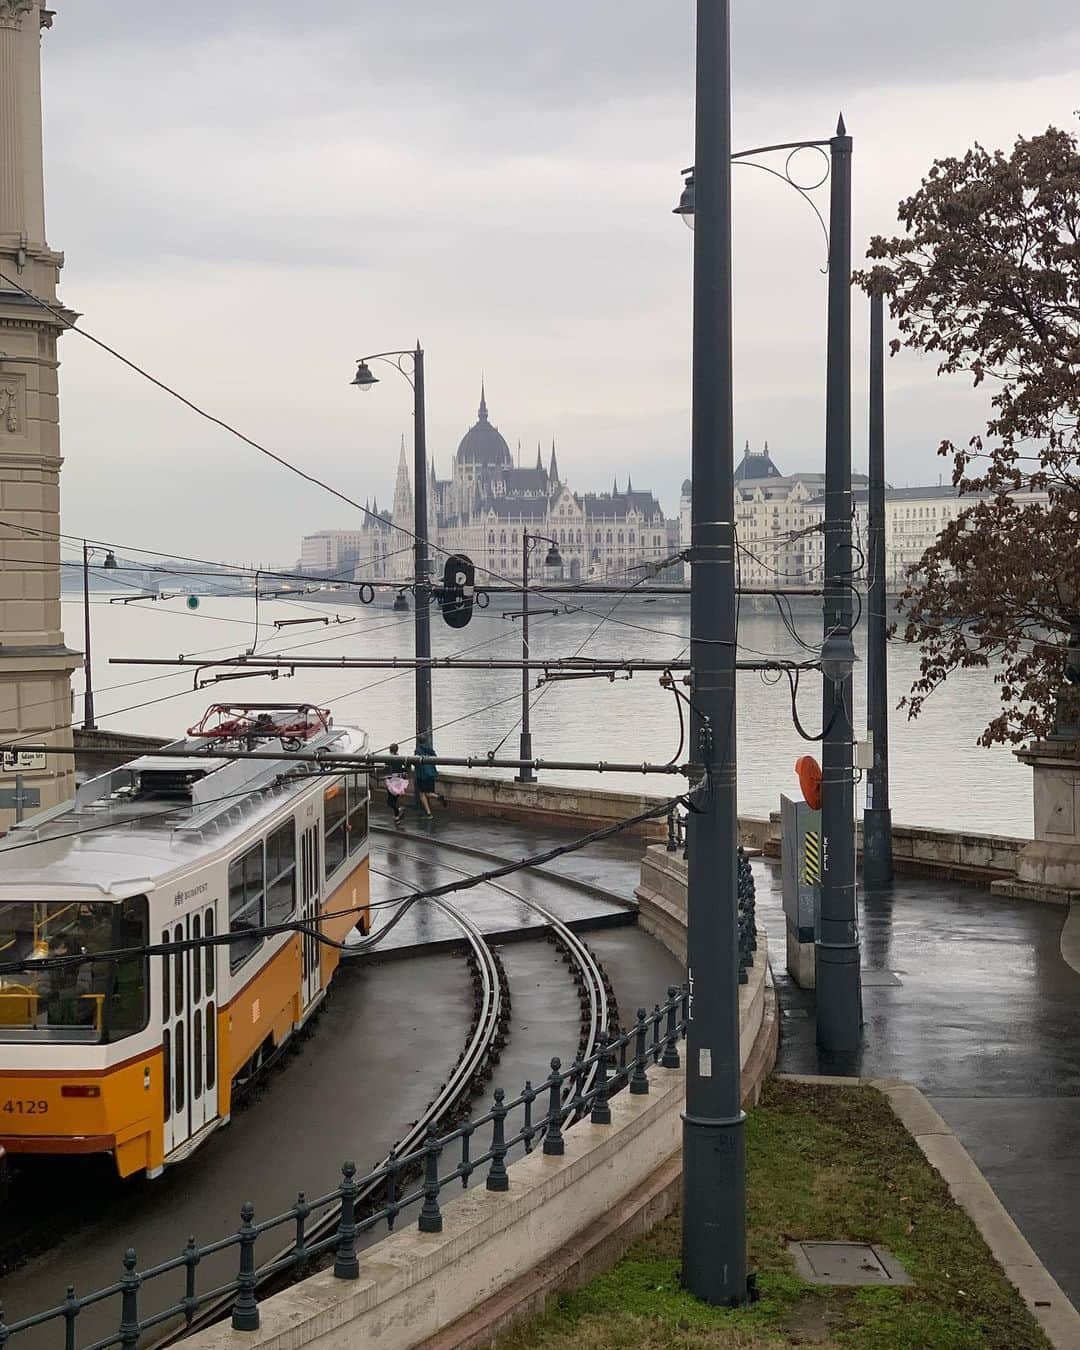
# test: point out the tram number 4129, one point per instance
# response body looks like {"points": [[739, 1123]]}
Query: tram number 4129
{"points": [[14, 1106]]}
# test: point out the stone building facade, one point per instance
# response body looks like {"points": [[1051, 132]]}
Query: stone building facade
{"points": [[35, 663], [485, 505]]}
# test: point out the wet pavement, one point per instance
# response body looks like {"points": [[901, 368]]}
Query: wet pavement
{"points": [[967, 996]]}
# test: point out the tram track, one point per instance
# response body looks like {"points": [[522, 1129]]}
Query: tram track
{"points": [[491, 1015], [599, 1007]]}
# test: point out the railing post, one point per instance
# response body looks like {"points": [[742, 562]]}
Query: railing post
{"points": [[639, 1079], [554, 1146], [71, 1311], [498, 1178], [3, 1328], [601, 1107], [577, 1083], [671, 844], [528, 1096], [670, 1058], [129, 1302], [191, 1260], [346, 1263], [303, 1209], [245, 1313], [657, 1018], [430, 1220]]}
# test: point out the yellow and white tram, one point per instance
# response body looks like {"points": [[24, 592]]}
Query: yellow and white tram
{"points": [[140, 1056]]}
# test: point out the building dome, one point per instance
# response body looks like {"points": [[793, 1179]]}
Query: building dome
{"points": [[482, 443]]}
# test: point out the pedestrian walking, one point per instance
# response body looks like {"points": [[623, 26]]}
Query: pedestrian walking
{"points": [[396, 779], [427, 777]]}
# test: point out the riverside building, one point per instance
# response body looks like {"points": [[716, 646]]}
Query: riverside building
{"points": [[484, 507]]}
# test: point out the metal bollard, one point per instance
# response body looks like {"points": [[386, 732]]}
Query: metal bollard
{"points": [[346, 1263], [498, 1178], [554, 1146], [71, 1311], [245, 1313], [639, 1079], [430, 1220]]}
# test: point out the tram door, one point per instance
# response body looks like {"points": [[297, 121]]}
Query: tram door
{"points": [[309, 911], [189, 1019]]}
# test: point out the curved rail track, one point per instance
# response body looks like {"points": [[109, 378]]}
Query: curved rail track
{"points": [[491, 1016], [600, 1012]]}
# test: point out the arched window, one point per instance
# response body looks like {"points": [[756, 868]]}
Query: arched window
{"points": [[491, 537], [609, 536]]}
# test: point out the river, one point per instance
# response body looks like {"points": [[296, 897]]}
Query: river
{"points": [[940, 776]]}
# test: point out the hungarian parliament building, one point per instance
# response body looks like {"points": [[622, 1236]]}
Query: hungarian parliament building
{"points": [[622, 537], [483, 510]]}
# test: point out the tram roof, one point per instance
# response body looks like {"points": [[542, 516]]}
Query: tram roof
{"points": [[109, 840]]}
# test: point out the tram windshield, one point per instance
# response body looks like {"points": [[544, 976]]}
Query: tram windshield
{"points": [[102, 998]]}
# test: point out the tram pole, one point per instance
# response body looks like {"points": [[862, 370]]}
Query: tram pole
{"points": [[422, 607], [877, 817], [837, 946], [714, 1163]]}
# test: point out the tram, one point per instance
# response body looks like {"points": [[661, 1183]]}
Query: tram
{"points": [[141, 1056]]}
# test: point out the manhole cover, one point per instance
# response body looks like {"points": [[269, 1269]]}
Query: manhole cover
{"points": [[879, 977], [847, 1263]]}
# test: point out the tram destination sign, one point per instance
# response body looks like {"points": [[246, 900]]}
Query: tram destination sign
{"points": [[25, 761]]}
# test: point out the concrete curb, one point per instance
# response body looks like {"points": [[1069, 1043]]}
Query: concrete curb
{"points": [[1044, 1297], [1070, 938]]}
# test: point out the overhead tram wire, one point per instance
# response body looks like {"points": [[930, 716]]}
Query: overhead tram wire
{"points": [[249, 441], [297, 926]]}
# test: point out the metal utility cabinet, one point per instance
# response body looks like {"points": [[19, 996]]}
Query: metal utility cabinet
{"points": [[800, 833]]}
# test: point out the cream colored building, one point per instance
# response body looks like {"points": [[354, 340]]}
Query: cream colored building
{"points": [[779, 519], [35, 663]]}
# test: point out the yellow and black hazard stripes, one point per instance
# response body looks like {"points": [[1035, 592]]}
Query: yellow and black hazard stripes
{"points": [[812, 858]]}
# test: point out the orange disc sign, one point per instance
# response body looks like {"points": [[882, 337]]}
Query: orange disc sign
{"points": [[809, 771]]}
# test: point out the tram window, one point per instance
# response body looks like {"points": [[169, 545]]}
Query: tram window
{"points": [[245, 903], [180, 1086], [358, 811], [281, 873], [210, 953], [196, 961], [166, 1070], [96, 999], [334, 813], [178, 969], [166, 977], [211, 1045], [196, 1056]]}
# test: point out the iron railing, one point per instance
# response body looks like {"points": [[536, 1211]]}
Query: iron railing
{"points": [[409, 1181], [677, 842]]}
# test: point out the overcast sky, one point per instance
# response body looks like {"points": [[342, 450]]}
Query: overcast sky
{"points": [[251, 195]]}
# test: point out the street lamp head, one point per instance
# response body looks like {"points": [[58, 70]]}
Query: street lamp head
{"points": [[364, 379], [838, 657], [554, 557], [685, 207], [110, 564]]}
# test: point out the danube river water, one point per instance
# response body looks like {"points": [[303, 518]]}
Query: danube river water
{"points": [[940, 776]]}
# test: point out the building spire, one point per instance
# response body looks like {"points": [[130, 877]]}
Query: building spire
{"points": [[539, 460], [483, 413], [629, 485], [553, 472], [615, 487]]}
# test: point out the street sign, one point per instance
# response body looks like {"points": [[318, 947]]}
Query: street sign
{"points": [[23, 760], [12, 798]]}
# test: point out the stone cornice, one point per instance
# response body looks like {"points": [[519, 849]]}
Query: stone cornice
{"points": [[12, 12]]}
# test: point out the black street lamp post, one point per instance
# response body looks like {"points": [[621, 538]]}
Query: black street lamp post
{"points": [[714, 1166], [364, 379], [110, 564], [553, 559], [877, 817], [839, 1011]]}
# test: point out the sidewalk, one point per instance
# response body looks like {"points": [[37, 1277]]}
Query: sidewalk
{"points": [[969, 998]]}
